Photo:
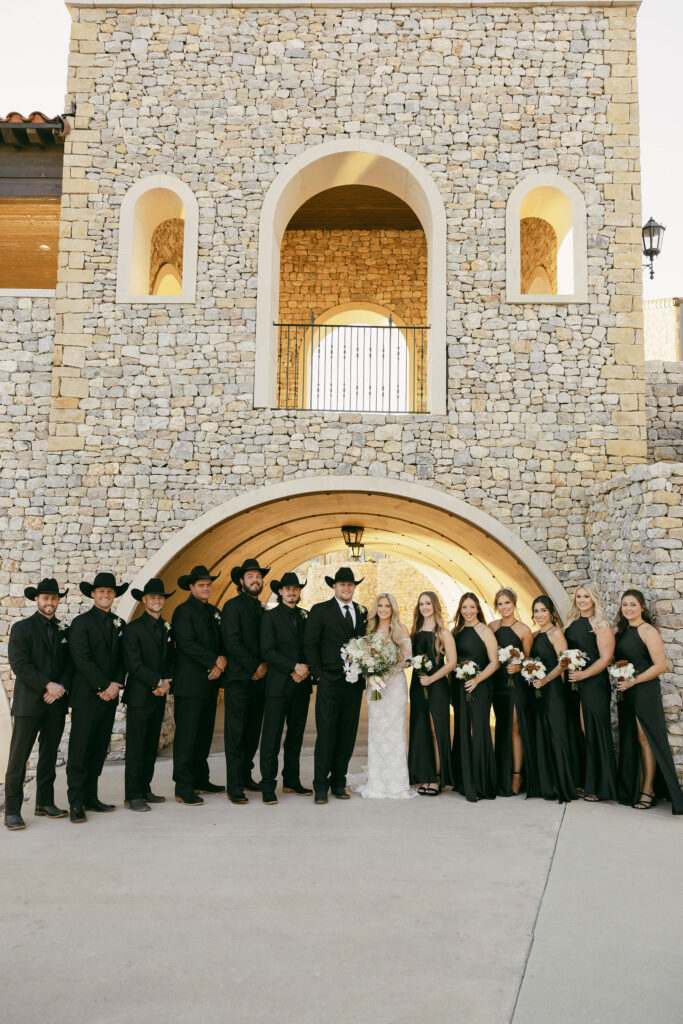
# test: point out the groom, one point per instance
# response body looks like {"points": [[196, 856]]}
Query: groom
{"points": [[329, 626]]}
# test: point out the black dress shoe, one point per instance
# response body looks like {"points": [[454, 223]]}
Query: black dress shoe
{"points": [[238, 797], [137, 805], [341, 794], [189, 797], [14, 822], [49, 811], [321, 798], [297, 788], [77, 814], [152, 798], [269, 798], [99, 806], [209, 787], [253, 786]]}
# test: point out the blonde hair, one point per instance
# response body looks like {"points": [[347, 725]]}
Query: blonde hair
{"points": [[397, 630], [598, 619], [418, 620]]}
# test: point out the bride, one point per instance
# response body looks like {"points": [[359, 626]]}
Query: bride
{"points": [[387, 758]]}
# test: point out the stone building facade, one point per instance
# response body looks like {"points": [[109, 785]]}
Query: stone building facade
{"points": [[131, 425]]}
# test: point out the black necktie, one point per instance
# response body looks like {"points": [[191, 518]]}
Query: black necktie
{"points": [[347, 616], [52, 636]]}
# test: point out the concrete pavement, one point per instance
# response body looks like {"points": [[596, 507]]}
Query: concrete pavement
{"points": [[363, 911]]}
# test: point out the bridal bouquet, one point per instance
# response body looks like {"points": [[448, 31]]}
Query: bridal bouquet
{"points": [[532, 669], [573, 660], [467, 670], [622, 672], [372, 657], [510, 655], [422, 666]]}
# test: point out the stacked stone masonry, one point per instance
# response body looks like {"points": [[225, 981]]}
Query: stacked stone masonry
{"points": [[664, 403]]}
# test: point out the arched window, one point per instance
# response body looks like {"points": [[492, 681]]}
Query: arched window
{"points": [[546, 241], [158, 242]]}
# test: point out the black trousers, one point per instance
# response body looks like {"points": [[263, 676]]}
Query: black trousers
{"points": [[91, 728], [292, 710], [244, 700], [195, 719], [143, 728], [337, 710], [48, 727]]}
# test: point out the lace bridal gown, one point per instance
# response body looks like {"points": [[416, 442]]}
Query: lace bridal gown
{"points": [[387, 775]]}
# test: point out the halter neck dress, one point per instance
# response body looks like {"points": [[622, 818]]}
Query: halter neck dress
{"points": [[474, 761], [556, 766], [434, 708], [511, 693]]}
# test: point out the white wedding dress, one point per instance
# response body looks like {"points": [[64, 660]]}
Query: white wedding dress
{"points": [[387, 774]]}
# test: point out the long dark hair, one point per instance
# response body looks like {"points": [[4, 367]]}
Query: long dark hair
{"points": [[547, 602], [622, 621], [459, 621]]}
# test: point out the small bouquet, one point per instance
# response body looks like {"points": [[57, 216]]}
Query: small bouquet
{"points": [[372, 657], [466, 670], [573, 660], [532, 669], [509, 656], [622, 672], [422, 666]]}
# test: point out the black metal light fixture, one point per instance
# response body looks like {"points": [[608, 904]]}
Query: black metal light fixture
{"points": [[353, 535], [653, 237]]}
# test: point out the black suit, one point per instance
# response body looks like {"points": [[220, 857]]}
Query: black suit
{"points": [[38, 654], [282, 647], [148, 655], [96, 645], [244, 696], [337, 702], [197, 633]]}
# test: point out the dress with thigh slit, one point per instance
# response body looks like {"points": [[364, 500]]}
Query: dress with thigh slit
{"points": [[596, 746], [473, 756], [643, 703], [429, 704], [556, 767], [511, 693]]}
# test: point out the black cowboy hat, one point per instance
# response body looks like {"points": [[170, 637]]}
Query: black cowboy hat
{"points": [[290, 579], [343, 575], [200, 572], [46, 586], [250, 565], [154, 586], [103, 579]]}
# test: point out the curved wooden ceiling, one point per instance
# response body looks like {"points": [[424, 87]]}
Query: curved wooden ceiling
{"points": [[354, 207]]}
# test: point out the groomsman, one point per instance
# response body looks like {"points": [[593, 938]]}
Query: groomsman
{"points": [[96, 646], [287, 688], [39, 657], [244, 679], [329, 626], [148, 656], [199, 666]]}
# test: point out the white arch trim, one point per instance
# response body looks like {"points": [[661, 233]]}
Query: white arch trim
{"points": [[359, 162], [187, 202], [547, 179], [315, 485]]}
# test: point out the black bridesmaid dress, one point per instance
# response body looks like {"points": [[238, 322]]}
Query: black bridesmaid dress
{"points": [[474, 761], [512, 693], [643, 703], [436, 708], [556, 767], [598, 772]]}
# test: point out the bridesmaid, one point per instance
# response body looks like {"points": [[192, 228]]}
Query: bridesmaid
{"points": [[646, 767], [430, 699], [474, 764], [512, 702], [556, 772], [588, 630]]}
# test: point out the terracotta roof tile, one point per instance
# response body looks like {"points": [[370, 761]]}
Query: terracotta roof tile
{"points": [[36, 129]]}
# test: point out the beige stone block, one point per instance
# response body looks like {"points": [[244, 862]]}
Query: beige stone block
{"points": [[616, 371], [70, 415], [635, 418], [73, 356], [65, 442], [84, 186], [633, 355], [635, 449], [73, 387]]}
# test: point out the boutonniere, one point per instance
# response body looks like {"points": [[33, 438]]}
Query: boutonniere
{"points": [[363, 609], [62, 627], [167, 626], [118, 623], [303, 613], [217, 616]]}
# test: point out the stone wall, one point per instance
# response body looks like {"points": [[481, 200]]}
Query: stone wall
{"points": [[664, 404], [662, 329], [634, 525], [538, 248], [166, 247]]}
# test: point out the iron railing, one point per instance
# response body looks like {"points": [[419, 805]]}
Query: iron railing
{"points": [[352, 367]]}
